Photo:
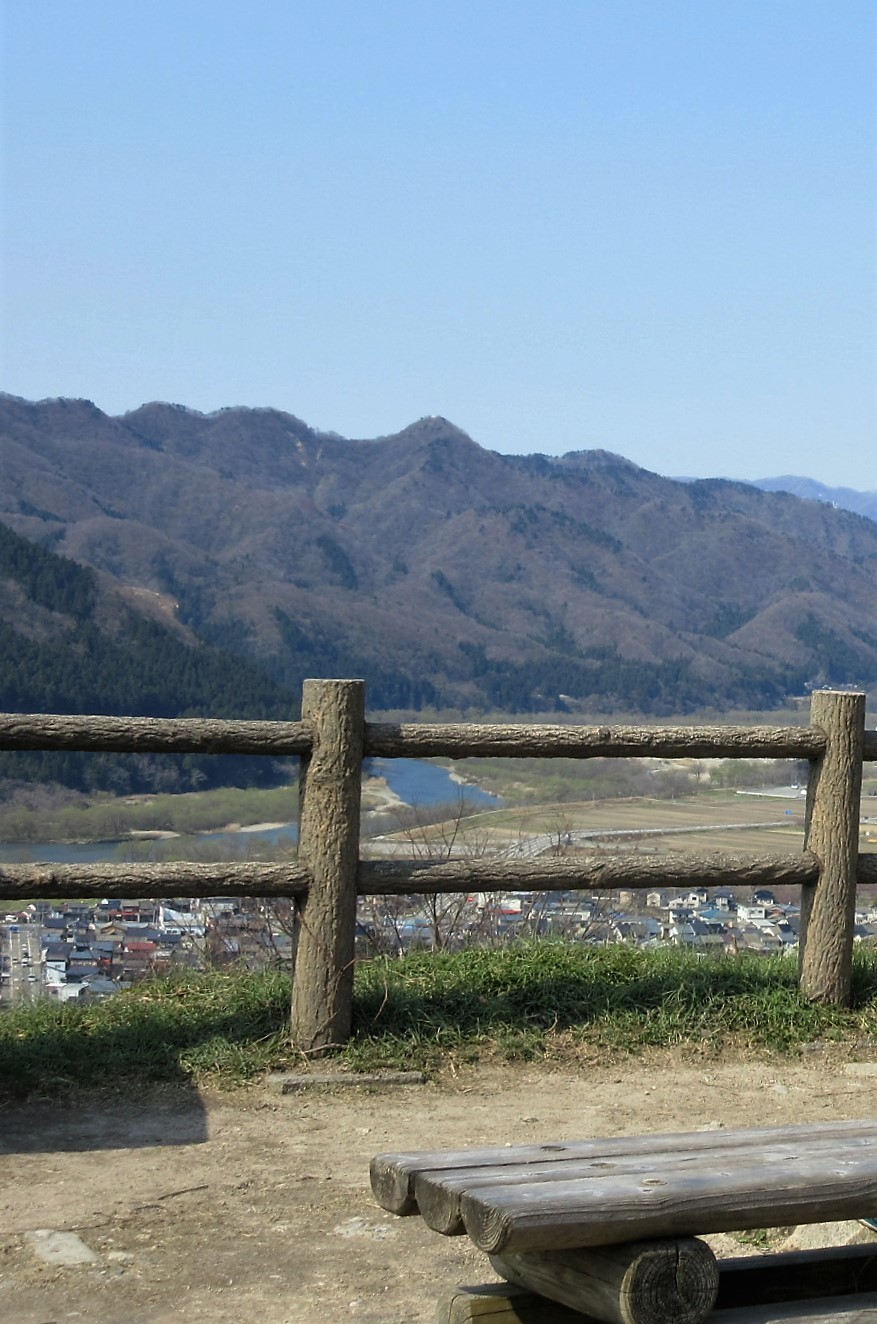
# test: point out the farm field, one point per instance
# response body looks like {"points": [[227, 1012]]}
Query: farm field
{"points": [[692, 814], [757, 823]]}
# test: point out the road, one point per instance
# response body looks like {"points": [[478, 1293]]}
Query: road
{"points": [[21, 964], [527, 847]]}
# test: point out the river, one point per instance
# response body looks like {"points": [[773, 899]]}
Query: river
{"points": [[415, 781]]}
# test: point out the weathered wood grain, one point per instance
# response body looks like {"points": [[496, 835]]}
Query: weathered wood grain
{"points": [[393, 878], [409, 740], [438, 1194], [330, 787], [649, 1282], [152, 880], [832, 834], [520, 740], [617, 1208], [627, 869], [155, 735], [393, 1175]]}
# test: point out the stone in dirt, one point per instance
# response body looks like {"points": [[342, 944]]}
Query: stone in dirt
{"points": [[59, 1247]]}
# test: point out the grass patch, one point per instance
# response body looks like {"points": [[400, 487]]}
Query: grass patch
{"points": [[553, 999], [540, 1000], [230, 1027]]}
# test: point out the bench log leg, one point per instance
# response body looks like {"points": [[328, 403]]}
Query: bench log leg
{"points": [[640, 1282]]}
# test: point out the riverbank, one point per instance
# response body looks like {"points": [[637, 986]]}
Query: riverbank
{"points": [[102, 827]]}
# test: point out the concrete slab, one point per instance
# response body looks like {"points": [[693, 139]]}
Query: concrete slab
{"points": [[283, 1082], [59, 1247]]}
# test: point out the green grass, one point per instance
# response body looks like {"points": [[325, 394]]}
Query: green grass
{"points": [[535, 1001], [553, 1000], [175, 1029]]}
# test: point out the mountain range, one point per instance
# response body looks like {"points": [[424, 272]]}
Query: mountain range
{"points": [[445, 574], [845, 498]]}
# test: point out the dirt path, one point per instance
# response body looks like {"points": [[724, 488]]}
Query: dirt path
{"points": [[257, 1207]]}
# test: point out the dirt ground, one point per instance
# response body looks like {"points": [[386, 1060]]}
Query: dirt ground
{"points": [[256, 1206]]}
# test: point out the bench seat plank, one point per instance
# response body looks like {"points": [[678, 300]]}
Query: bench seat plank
{"points": [[393, 1175], [438, 1192], [741, 1190]]}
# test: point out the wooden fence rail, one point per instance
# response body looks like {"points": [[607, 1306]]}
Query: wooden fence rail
{"points": [[333, 737]]}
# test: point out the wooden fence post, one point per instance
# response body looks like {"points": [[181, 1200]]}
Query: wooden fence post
{"points": [[330, 786], [832, 833]]}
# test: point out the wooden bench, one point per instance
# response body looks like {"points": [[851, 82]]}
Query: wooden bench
{"points": [[609, 1228]]}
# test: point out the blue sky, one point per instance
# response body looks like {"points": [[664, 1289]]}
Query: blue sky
{"points": [[643, 225]]}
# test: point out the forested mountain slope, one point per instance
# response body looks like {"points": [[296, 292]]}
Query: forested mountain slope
{"points": [[445, 573], [70, 642]]}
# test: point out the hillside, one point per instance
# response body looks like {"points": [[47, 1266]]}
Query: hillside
{"points": [[72, 642], [445, 573]]}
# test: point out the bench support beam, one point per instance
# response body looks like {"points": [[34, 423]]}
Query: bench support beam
{"points": [[640, 1282]]}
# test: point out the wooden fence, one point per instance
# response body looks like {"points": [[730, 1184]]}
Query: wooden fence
{"points": [[333, 737]]}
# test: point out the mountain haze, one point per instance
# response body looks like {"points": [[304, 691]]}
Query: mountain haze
{"points": [[845, 498], [445, 573]]}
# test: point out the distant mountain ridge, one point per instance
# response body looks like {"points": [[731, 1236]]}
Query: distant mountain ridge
{"points": [[845, 498], [444, 573]]}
